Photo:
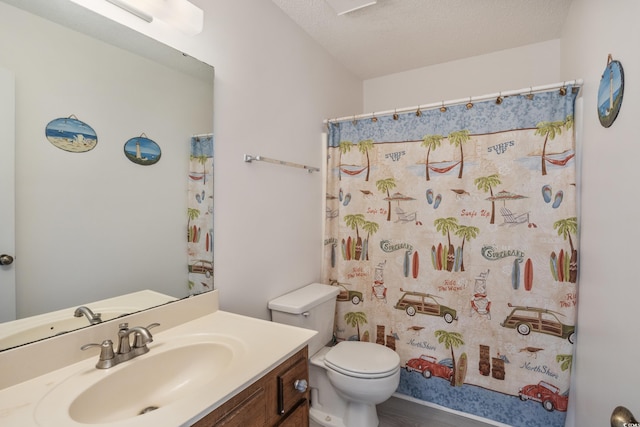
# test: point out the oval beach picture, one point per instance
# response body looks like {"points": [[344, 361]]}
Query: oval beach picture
{"points": [[142, 151], [71, 134], [610, 93]]}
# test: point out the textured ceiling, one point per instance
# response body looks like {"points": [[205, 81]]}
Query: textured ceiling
{"points": [[399, 35]]}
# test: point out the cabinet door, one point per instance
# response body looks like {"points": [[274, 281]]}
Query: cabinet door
{"points": [[299, 417], [249, 412], [288, 395]]}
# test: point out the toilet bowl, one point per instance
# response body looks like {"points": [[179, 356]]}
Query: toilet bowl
{"points": [[346, 380], [352, 378]]}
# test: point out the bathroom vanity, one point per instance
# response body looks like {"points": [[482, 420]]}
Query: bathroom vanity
{"points": [[270, 401], [215, 369]]}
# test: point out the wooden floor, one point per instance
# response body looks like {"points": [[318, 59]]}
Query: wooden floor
{"points": [[397, 412]]}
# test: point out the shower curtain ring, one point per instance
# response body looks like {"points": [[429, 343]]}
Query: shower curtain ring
{"points": [[354, 122], [530, 94], [418, 112], [395, 114], [563, 89], [469, 104], [443, 108], [374, 118], [499, 99]]}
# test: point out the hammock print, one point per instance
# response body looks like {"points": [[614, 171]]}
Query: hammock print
{"points": [[443, 169], [351, 172], [560, 162]]}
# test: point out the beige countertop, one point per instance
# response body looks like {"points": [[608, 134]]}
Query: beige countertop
{"points": [[261, 346]]}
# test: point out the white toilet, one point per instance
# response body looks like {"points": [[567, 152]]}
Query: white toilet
{"points": [[348, 379]]}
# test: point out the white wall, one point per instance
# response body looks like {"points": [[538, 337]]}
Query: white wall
{"points": [[273, 88], [94, 225], [608, 328], [531, 65]]}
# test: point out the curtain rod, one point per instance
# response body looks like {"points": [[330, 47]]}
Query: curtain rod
{"points": [[202, 135], [249, 158], [523, 91]]}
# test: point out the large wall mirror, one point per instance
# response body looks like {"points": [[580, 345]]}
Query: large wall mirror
{"points": [[92, 226]]}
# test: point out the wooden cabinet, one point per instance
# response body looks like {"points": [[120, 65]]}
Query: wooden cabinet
{"points": [[273, 400]]}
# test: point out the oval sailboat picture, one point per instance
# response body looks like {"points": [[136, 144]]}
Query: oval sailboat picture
{"points": [[71, 134], [142, 151]]}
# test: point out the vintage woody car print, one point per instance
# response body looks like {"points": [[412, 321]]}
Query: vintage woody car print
{"points": [[202, 266], [345, 294], [418, 302], [527, 319]]}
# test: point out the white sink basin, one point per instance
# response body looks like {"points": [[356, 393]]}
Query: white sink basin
{"points": [[146, 386]]}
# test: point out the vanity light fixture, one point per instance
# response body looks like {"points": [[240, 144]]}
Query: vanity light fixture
{"points": [[181, 15], [342, 7], [132, 10]]}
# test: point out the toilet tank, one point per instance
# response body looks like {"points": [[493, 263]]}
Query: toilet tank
{"points": [[310, 307]]}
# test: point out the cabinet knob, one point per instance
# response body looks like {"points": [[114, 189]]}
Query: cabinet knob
{"points": [[300, 385]]}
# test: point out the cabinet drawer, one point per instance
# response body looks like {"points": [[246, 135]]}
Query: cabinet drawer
{"points": [[247, 411], [288, 395]]}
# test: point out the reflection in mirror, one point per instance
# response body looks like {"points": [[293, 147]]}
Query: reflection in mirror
{"points": [[47, 325], [91, 226]]}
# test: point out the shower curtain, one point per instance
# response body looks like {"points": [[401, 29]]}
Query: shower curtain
{"points": [[200, 215], [452, 236]]}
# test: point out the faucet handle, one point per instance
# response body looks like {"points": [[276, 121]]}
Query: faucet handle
{"points": [[139, 340], [106, 351]]}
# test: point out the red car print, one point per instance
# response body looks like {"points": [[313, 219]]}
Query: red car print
{"points": [[547, 394], [429, 366]]}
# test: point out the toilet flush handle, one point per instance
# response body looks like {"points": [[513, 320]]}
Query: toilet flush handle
{"points": [[306, 314], [300, 385]]}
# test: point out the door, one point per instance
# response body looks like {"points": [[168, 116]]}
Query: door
{"points": [[7, 196]]}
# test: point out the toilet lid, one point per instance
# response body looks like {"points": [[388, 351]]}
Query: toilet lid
{"points": [[362, 359]]}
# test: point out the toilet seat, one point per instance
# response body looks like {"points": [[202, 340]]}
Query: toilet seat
{"points": [[362, 359]]}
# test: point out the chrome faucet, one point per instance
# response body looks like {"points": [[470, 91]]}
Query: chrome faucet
{"points": [[110, 358], [94, 318]]}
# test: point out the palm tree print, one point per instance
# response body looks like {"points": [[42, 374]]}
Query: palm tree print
{"points": [[430, 142], [450, 340], [565, 228], [467, 232], [457, 139], [445, 226], [371, 228], [345, 147], [355, 319], [565, 361], [364, 146], [353, 221], [384, 185], [202, 159], [549, 130], [487, 183]]}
